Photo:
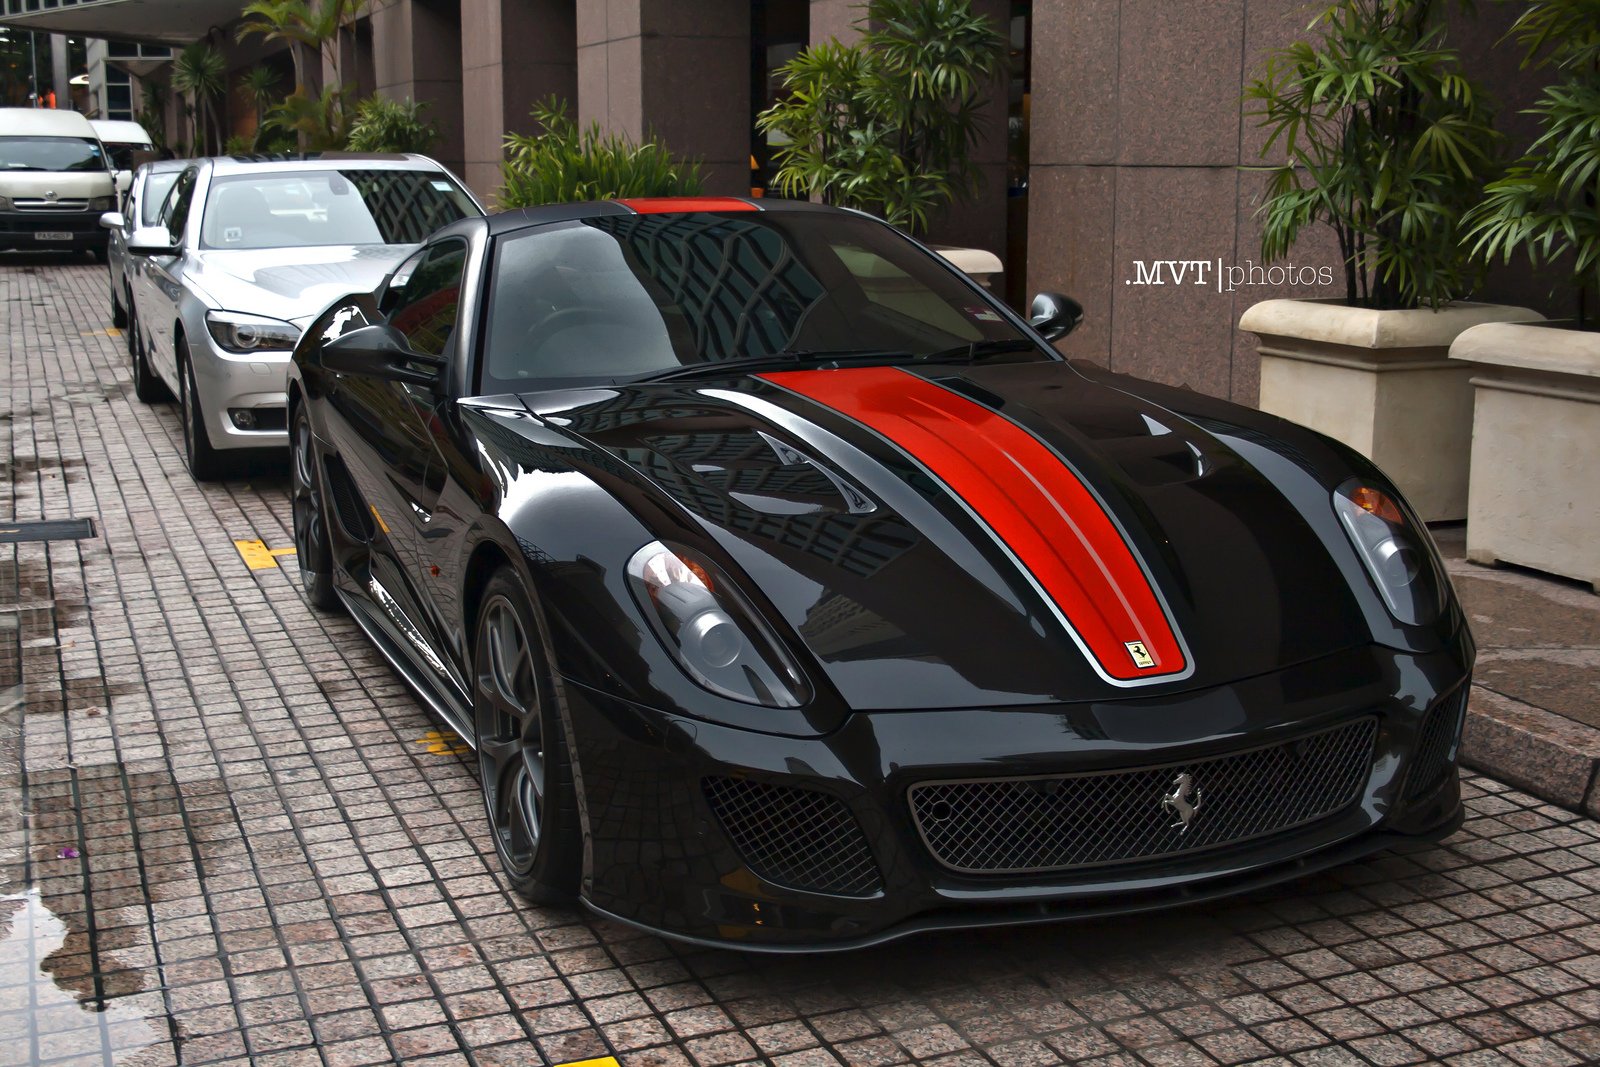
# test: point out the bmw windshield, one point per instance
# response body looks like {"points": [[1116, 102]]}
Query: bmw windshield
{"points": [[292, 209], [637, 296]]}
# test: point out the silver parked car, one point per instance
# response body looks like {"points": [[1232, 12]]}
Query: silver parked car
{"points": [[243, 256], [148, 189]]}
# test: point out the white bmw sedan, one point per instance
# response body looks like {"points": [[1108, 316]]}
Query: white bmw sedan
{"points": [[242, 256]]}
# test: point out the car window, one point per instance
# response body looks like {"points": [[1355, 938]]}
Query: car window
{"points": [[175, 211], [426, 308], [50, 153], [156, 187], [330, 207], [615, 296]]}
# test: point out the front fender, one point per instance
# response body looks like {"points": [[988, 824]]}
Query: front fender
{"points": [[572, 538]]}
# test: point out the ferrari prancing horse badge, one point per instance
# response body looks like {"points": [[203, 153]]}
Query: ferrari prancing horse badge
{"points": [[1141, 655]]}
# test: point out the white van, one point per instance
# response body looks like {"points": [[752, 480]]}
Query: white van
{"points": [[123, 141], [55, 181]]}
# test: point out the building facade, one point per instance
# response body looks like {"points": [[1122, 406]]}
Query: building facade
{"points": [[1115, 145]]}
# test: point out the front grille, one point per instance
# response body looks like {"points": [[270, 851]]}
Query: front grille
{"points": [[50, 205], [1014, 825], [795, 837], [1430, 760]]}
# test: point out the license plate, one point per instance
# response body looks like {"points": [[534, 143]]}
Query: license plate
{"points": [[52, 235]]}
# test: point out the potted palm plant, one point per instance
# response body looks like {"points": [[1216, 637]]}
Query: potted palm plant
{"points": [[1377, 133], [1535, 491]]}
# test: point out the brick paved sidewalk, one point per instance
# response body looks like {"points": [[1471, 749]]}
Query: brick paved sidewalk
{"points": [[227, 833]]}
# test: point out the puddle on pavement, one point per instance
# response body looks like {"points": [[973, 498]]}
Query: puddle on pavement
{"points": [[39, 1007]]}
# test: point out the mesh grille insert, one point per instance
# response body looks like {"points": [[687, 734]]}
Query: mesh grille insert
{"points": [[1430, 760], [795, 837], [1011, 825]]}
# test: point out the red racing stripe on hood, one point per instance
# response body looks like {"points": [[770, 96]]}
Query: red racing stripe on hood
{"points": [[1027, 497]]}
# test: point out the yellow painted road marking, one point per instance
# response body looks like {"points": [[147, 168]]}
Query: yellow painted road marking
{"points": [[603, 1061], [449, 743], [257, 556], [109, 331]]}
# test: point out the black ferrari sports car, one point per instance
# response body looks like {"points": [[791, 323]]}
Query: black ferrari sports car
{"points": [[795, 593]]}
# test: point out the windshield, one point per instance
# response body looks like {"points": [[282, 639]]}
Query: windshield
{"points": [[156, 188], [328, 207], [626, 295], [51, 153]]}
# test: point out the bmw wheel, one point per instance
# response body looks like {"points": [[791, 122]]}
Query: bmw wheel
{"points": [[146, 386], [202, 460], [311, 547], [522, 752], [119, 314]]}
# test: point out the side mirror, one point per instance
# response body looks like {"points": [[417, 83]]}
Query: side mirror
{"points": [[1055, 315], [380, 352], [123, 181], [113, 220], [152, 241]]}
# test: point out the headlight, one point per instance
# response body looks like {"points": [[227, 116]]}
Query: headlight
{"points": [[251, 333], [103, 203], [710, 629], [1395, 554], [5, 203]]}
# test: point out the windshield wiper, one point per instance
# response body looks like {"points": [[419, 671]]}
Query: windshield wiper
{"points": [[977, 350], [787, 358]]}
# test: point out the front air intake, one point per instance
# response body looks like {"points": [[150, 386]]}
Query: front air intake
{"points": [[795, 837]]}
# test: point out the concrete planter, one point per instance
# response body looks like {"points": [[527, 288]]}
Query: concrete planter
{"points": [[1381, 382], [1535, 495]]}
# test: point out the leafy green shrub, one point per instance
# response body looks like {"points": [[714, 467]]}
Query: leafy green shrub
{"points": [[384, 125], [319, 123], [1548, 203], [888, 124], [562, 163], [1383, 139]]}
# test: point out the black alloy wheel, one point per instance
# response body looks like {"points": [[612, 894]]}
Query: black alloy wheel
{"points": [[311, 546], [522, 752]]}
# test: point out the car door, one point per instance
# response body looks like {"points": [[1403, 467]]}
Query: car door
{"points": [[388, 431], [159, 283]]}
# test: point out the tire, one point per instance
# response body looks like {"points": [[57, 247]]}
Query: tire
{"points": [[309, 507], [119, 314], [203, 461], [146, 386], [522, 751]]}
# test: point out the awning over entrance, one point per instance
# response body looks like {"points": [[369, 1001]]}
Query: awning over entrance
{"points": [[171, 22]]}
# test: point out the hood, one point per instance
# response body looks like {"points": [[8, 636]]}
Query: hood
{"points": [[1022, 534], [66, 184], [293, 284]]}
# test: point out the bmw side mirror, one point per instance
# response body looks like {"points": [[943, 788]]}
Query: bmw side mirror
{"points": [[151, 241], [113, 220], [380, 352], [1055, 315]]}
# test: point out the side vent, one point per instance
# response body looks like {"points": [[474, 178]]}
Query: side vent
{"points": [[347, 503]]}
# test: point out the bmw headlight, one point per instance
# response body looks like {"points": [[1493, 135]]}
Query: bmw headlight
{"points": [[251, 333], [711, 630], [1396, 554]]}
